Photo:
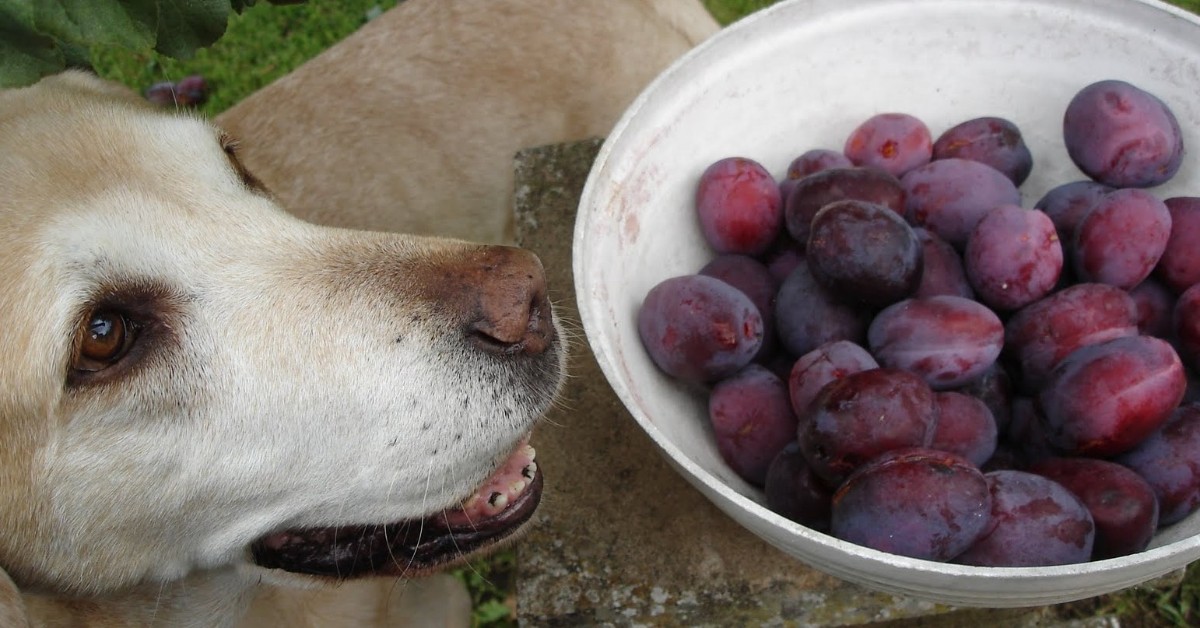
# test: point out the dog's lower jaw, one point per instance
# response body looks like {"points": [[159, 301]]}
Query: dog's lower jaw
{"points": [[497, 508]]}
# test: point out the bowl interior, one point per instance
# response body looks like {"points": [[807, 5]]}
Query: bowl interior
{"points": [[801, 75]]}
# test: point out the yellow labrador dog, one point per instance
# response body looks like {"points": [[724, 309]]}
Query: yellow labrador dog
{"points": [[215, 412]]}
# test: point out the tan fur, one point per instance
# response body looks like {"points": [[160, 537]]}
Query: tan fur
{"points": [[12, 607], [436, 601], [434, 98], [126, 502]]}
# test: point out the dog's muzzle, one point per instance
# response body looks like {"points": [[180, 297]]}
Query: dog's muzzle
{"points": [[505, 501]]}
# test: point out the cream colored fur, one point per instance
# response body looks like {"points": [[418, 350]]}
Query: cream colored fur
{"points": [[298, 369]]}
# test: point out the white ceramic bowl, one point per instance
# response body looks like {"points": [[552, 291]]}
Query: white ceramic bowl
{"points": [[801, 75]]}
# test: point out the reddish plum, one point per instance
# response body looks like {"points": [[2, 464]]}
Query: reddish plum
{"points": [[1179, 266], [1186, 325], [1121, 502], [863, 415], [947, 341], [794, 491], [1105, 398], [739, 206], [1169, 460], [1121, 135], [816, 160], [965, 427], [1013, 257], [807, 315], [892, 142], [950, 196], [698, 328], [876, 275], [190, 91], [1041, 334], [943, 272], [1103, 250], [752, 420], [817, 190], [755, 281], [915, 502], [1035, 522], [1067, 203], [830, 361], [996, 142]]}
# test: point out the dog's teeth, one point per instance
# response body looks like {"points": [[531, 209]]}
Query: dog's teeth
{"points": [[529, 451], [517, 487], [498, 501], [529, 470]]}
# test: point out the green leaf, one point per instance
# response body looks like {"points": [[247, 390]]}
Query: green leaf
{"points": [[187, 25], [125, 23], [16, 15], [75, 55], [491, 611], [40, 37], [24, 61], [25, 55]]}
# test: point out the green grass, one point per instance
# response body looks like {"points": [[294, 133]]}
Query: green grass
{"points": [[729, 11], [268, 41], [1190, 5], [260, 45]]}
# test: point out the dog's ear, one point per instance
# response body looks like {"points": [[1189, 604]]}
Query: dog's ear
{"points": [[12, 607]]}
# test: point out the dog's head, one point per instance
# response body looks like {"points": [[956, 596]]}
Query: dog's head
{"points": [[190, 378]]}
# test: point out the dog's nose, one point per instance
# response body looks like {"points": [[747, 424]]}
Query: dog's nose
{"points": [[513, 313]]}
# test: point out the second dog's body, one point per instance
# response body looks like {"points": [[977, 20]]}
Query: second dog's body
{"points": [[411, 124]]}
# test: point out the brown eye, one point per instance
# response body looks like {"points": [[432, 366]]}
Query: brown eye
{"points": [[105, 337]]}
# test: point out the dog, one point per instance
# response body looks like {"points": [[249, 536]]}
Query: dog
{"points": [[203, 389], [216, 412]]}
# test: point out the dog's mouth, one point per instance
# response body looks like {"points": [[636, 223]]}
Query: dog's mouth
{"points": [[505, 501]]}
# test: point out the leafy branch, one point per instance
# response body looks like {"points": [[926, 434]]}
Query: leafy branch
{"points": [[41, 37]]}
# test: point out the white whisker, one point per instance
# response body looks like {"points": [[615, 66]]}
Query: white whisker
{"points": [[337, 530], [421, 529], [157, 603]]}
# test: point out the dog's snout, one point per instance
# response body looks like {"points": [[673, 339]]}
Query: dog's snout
{"points": [[512, 313]]}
